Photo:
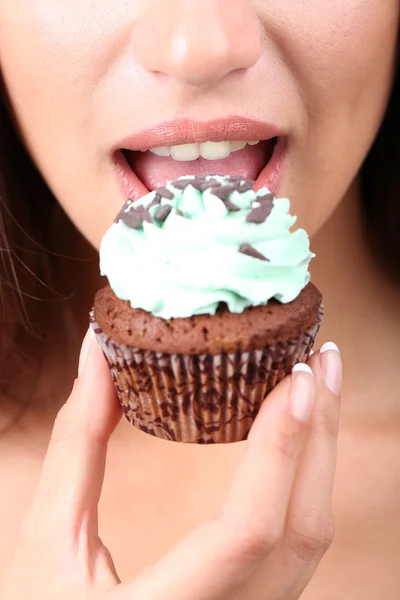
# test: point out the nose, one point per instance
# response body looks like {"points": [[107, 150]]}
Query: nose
{"points": [[197, 42]]}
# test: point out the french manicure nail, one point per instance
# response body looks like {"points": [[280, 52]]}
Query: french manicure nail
{"points": [[331, 367], [302, 368], [302, 394], [329, 346]]}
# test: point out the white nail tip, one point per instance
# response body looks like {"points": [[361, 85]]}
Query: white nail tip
{"points": [[329, 346], [302, 368], [91, 332]]}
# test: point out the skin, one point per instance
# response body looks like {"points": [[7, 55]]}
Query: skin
{"points": [[82, 75], [261, 552]]}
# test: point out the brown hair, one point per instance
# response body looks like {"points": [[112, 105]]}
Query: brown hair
{"points": [[41, 274], [33, 262], [380, 179]]}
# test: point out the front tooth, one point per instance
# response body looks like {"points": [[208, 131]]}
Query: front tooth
{"points": [[254, 143], [185, 152], [236, 145], [161, 150], [215, 150]]}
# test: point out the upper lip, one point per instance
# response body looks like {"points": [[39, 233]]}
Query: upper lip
{"points": [[186, 131]]}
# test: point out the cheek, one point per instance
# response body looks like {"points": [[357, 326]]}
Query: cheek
{"points": [[55, 58], [351, 60], [49, 47], [341, 55], [338, 50]]}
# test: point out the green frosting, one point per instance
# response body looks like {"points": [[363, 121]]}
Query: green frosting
{"points": [[197, 256]]}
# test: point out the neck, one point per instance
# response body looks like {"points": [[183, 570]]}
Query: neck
{"points": [[361, 313]]}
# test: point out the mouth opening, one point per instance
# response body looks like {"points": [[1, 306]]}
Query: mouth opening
{"points": [[144, 171]]}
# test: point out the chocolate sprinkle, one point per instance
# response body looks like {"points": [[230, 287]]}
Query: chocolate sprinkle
{"points": [[155, 202], [214, 183], [230, 206], [235, 178], [201, 183], [245, 186], [122, 211], [249, 250], [165, 193], [224, 191], [259, 214], [266, 198], [135, 217], [182, 184], [162, 213]]}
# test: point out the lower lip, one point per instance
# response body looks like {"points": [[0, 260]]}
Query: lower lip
{"points": [[270, 177]]}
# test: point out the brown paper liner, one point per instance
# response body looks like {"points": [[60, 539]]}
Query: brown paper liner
{"points": [[202, 398]]}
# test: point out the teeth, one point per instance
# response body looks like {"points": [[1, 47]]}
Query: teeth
{"points": [[208, 150], [215, 150], [185, 152], [162, 151], [238, 146]]}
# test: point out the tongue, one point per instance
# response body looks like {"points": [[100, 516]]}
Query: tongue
{"points": [[155, 171]]}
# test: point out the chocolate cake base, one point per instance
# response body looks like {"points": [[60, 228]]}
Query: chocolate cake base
{"points": [[204, 378], [255, 328]]}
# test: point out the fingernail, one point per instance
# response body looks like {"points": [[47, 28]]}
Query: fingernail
{"points": [[331, 367], [84, 351], [329, 346], [302, 393]]}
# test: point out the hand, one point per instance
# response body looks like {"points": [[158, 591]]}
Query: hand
{"points": [[267, 541]]}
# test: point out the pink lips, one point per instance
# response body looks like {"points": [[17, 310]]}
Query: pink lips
{"points": [[157, 171]]}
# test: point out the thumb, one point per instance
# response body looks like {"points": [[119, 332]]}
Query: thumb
{"points": [[73, 470]]}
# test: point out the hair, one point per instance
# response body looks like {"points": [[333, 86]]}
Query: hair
{"points": [[380, 185], [34, 262], [43, 263]]}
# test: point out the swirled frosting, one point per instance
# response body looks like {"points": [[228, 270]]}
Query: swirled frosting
{"points": [[184, 249]]}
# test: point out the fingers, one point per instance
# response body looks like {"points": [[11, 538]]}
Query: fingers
{"points": [[309, 522], [216, 558], [73, 470], [260, 492], [331, 367]]}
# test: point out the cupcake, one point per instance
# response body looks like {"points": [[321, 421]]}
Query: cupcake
{"points": [[209, 305]]}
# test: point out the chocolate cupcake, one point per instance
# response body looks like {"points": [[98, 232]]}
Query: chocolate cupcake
{"points": [[209, 306]]}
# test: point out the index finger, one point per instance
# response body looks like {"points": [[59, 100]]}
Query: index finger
{"points": [[73, 469]]}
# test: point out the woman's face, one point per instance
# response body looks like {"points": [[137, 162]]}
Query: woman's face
{"points": [[86, 79]]}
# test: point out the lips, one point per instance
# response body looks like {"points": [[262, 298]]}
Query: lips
{"points": [[141, 165]]}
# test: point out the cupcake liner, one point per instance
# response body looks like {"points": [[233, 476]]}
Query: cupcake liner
{"points": [[202, 398]]}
